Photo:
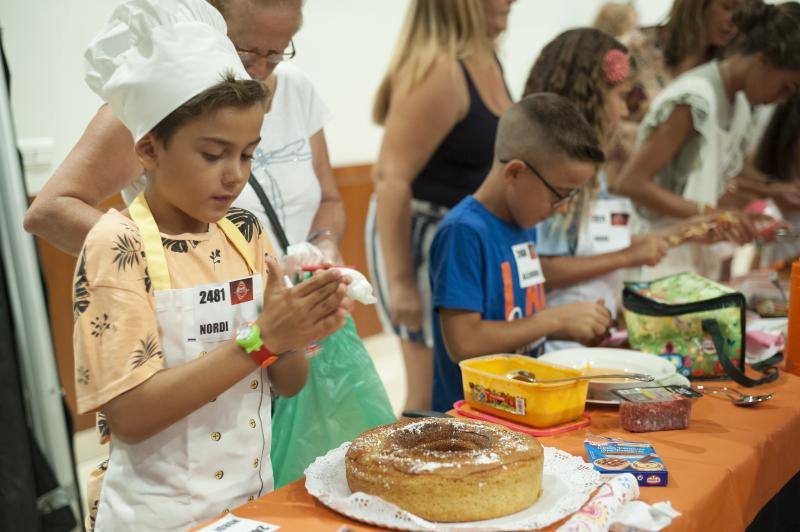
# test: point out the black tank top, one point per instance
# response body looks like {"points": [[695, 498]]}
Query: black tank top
{"points": [[461, 162]]}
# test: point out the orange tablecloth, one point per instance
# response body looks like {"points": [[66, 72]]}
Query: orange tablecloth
{"points": [[722, 470]]}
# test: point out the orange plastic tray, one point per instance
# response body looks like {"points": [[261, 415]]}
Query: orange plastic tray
{"points": [[462, 408]]}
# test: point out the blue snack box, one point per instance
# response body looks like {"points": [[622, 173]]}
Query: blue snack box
{"points": [[612, 456]]}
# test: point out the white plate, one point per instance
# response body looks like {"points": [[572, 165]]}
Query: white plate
{"points": [[616, 359], [567, 482]]}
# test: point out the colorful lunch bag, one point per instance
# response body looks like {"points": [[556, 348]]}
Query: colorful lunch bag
{"points": [[695, 323]]}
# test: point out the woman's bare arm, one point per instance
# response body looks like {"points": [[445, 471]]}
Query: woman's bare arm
{"points": [[101, 164]]}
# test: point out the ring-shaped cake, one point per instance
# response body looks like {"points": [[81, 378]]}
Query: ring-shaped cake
{"points": [[446, 469]]}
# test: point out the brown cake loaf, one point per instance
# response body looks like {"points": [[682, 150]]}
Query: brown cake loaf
{"points": [[449, 470]]}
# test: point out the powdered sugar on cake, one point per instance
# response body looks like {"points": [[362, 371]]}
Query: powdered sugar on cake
{"points": [[451, 446]]}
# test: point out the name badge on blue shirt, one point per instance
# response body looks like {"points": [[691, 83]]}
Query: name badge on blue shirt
{"points": [[529, 267]]}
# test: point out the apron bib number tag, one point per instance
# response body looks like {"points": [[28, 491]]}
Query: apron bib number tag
{"points": [[529, 267], [609, 225], [219, 309]]}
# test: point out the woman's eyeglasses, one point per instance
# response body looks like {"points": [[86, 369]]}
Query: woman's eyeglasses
{"points": [[249, 57]]}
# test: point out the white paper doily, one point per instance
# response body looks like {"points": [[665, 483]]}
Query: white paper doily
{"points": [[567, 483]]}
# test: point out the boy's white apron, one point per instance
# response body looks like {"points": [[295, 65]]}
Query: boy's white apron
{"points": [[217, 457]]}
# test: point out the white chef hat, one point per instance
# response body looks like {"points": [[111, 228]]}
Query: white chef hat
{"points": [[154, 55]]}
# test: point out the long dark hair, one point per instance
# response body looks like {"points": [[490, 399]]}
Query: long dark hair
{"points": [[770, 29], [778, 151], [685, 32]]}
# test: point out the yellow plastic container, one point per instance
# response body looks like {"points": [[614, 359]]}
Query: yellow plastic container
{"points": [[487, 388]]}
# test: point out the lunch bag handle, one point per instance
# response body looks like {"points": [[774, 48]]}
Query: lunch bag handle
{"points": [[712, 327]]}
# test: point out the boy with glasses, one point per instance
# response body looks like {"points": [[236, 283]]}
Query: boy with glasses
{"points": [[486, 277]]}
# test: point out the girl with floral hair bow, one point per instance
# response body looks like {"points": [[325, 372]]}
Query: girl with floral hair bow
{"points": [[587, 245], [589, 242]]}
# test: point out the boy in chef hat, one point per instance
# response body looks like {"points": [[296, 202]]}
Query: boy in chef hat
{"points": [[178, 367]]}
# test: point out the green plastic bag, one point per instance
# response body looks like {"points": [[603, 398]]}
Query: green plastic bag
{"points": [[342, 398]]}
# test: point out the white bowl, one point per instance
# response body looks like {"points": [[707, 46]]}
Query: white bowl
{"points": [[615, 360]]}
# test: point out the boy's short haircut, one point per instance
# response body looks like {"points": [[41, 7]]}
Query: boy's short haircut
{"points": [[230, 92], [543, 125]]}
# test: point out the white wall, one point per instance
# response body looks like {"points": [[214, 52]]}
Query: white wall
{"points": [[344, 46], [534, 23], [44, 42]]}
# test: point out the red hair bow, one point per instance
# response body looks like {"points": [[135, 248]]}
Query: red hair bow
{"points": [[616, 66]]}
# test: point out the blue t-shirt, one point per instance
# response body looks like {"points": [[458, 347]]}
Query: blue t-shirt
{"points": [[475, 263]]}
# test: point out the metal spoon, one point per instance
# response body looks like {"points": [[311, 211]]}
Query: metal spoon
{"points": [[737, 397], [786, 232], [525, 376], [750, 400]]}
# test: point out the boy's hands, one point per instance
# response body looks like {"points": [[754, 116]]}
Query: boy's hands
{"points": [[294, 317], [586, 322]]}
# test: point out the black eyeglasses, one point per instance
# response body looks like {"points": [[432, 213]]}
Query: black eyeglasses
{"points": [[249, 57], [560, 198]]}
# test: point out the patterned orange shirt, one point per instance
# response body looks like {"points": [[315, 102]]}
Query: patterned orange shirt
{"points": [[116, 337]]}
